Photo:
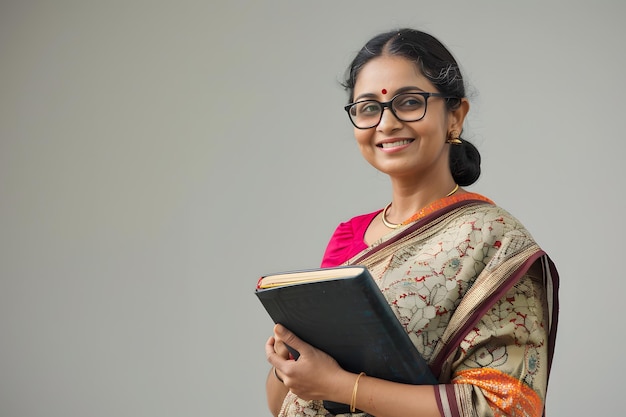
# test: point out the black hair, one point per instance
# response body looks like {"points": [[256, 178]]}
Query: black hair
{"points": [[438, 65]]}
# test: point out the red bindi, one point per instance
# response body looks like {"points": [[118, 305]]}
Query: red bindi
{"points": [[384, 91]]}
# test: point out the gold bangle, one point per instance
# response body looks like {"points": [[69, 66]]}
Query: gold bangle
{"points": [[277, 377], [354, 390]]}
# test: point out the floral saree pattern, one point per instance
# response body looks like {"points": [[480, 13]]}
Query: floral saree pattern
{"points": [[478, 298]]}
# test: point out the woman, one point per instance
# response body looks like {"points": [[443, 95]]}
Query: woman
{"points": [[476, 294]]}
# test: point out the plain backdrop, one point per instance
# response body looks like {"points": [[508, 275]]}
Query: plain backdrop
{"points": [[157, 157]]}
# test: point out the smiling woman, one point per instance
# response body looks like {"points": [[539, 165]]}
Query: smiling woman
{"points": [[474, 291], [406, 141]]}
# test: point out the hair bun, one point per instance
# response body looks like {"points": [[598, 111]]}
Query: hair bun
{"points": [[464, 163]]}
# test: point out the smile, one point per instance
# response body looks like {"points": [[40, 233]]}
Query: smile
{"points": [[395, 144]]}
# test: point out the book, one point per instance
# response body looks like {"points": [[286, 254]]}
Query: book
{"points": [[342, 312]]}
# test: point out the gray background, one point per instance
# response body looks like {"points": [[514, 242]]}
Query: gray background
{"points": [[157, 157]]}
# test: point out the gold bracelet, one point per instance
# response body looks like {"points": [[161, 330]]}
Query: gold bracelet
{"points": [[277, 377], [354, 390]]}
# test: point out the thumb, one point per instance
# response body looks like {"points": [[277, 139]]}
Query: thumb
{"points": [[294, 344]]}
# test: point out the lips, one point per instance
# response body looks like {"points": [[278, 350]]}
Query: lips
{"points": [[394, 143]]}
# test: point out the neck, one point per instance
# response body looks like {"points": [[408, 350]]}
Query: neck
{"points": [[408, 201]]}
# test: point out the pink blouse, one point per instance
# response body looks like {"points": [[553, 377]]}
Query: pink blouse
{"points": [[347, 240]]}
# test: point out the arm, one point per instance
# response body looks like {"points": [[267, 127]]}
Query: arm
{"points": [[276, 392]]}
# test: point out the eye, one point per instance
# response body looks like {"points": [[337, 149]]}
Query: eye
{"points": [[366, 108], [409, 102]]}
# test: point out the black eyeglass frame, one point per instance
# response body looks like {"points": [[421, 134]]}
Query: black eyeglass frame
{"points": [[389, 105]]}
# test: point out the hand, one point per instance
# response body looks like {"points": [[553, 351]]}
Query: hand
{"points": [[313, 376]]}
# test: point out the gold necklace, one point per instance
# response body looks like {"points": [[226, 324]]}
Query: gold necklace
{"points": [[396, 225]]}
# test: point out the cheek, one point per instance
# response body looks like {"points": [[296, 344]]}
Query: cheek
{"points": [[363, 137], [365, 143]]}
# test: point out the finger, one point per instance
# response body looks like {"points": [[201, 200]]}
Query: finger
{"points": [[281, 349], [270, 354], [293, 343]]}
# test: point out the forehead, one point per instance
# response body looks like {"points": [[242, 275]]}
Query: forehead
{"points": [[390, 73]]}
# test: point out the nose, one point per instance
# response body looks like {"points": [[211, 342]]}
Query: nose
{"points": [[388, 121]]}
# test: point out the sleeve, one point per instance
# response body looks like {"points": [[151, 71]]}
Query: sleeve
{"points": [[339, 245], [504, 364], [347, 240]]}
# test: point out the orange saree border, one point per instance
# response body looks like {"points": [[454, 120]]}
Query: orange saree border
{"points": [[443, 203], [508, 395]]}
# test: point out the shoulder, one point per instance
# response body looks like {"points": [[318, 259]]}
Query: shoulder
{"points": [[489, 211], [359, 222], [355, 227], [495, 214], [347, 239], [495, 221]]}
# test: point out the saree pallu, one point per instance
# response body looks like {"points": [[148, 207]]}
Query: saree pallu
{"points": [[478, 298]]}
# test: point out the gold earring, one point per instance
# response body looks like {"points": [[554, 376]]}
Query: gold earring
{"points": [[453, 138]]}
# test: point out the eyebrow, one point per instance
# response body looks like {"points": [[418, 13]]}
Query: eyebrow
{"points": [[398, 91]]}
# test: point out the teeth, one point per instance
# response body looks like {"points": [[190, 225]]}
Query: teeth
{"points": [[394, 144]]}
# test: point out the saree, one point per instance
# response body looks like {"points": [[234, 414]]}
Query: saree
{"points": [[478, 298]]}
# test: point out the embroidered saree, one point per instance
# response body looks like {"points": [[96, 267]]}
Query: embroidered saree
{"points": [[478, 298]]}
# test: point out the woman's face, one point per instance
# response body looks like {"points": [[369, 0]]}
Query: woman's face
{"points": [[405, 149]]}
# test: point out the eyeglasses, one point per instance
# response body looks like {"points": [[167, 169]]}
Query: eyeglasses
{"points": [[406, 107]]}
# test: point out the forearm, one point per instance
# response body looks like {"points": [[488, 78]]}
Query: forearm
{"points": [[275, 391], [387, 399]]}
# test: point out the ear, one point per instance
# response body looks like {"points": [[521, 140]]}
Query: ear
{"points": [[457, 116]]}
